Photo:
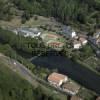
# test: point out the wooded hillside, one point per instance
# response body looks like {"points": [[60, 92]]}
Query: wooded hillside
{"points": [[67, 11]]}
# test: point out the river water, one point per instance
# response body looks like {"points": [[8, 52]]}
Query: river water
{"points": [[77, 72]]}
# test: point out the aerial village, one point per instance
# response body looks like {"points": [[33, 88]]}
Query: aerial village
{"points": [[56, 40]]}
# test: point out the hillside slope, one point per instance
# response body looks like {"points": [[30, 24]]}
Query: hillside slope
{"points": [[67, 11], [13, 87]]}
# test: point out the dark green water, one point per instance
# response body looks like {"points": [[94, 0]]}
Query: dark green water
{"points": [[75, 71]]}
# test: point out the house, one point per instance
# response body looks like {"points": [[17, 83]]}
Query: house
{"points": [[98, 41], [76, 98], [77, 44], [27, 32], [55, 44], [69, 32], [71, 88], [57, 79], [83, 40]]}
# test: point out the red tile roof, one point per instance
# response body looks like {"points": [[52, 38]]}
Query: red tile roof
{"points": [[56, 77], [55, 44]]}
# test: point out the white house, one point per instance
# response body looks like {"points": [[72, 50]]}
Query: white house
{"points": [[77, 44], [83, 41], [57, 79], [73, 34]]}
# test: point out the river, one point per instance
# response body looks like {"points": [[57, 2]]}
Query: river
{"points": [[77, 72]]}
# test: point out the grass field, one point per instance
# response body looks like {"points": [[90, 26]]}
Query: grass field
{"points": [[42, 21], [16, 22]]}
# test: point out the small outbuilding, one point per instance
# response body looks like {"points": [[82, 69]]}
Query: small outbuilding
{"points": [[71, 88]]}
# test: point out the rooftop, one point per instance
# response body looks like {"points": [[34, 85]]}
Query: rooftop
{"points": [[56, 77], [55, 44], [76, 42], [71, 86], [82, 39]]}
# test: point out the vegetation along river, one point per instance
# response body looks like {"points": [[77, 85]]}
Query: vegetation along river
{"points": [[75, 71]]}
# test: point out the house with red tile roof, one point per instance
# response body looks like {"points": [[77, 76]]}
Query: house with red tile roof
{"points": [[55, 44], [57, 79]]}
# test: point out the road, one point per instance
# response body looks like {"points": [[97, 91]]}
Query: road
{"points": [[27, 74]]}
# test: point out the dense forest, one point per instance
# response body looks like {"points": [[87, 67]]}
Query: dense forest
{"points": [[67, 11]]}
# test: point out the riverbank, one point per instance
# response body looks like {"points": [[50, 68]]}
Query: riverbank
{"points": [[86, 66], [19, 72], [75, 71]]}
